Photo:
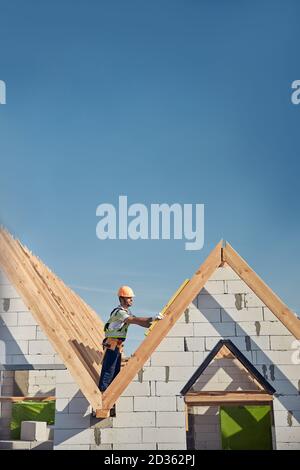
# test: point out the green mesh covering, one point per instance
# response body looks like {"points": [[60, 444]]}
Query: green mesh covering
{"points": [[246, 427], [30, 411]]}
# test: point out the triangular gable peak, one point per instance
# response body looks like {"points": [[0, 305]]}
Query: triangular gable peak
{"points": [[222, 254], [226, 369]]}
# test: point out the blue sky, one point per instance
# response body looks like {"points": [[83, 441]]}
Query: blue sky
{"points": [[173, 101]]}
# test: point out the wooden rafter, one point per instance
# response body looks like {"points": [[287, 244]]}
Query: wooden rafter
{"points": [[51, 309], [260, 288], [172, 314]]}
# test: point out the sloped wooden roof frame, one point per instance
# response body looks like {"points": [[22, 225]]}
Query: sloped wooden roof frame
{"points": [[72, 327], [80, 326]]}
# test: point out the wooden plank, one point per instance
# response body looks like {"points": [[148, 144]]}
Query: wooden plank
{"points": [[167, 305], [207, 399], [17, 399], [263, 292], [46, 313], [171, 316]]}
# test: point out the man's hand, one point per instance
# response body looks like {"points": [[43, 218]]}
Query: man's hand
{"points": [[159, 316]]}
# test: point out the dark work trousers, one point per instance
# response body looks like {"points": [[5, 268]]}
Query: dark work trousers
{"points": [[111, 366]]}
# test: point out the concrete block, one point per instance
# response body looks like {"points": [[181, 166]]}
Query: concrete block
{"points": [[73, 447], [181, 329], [251, 300], [26, 319], [287, 434], [172, 359], [72, 421], [101, 447], [33, 431], [4, 279], [79, 406], [73, 437], [176, 435], [137, 389], [152, 385], [46, 445], [154, 373], [14, 445], [194, 344], [63, 376], [291, 372], [291, 403], [121, 436], [125, 404], [180, 404], [135, 420], [288, 446], [181, 373], [40, 347], [134, 446], [282, 343], [7, 291], [274, 357], [237, 286], [169, 389], [61, 405], [215, 329], [172, 446], [16, 332], [203, 315], [33, 359], [245, 314], [40, 334], [154, 403], [17, 347], [167, 419], [286, 387], [12, 305], [172, 343], [213, 287], [261, 329], [67, 390], [242, 343], [8, 319], [287, 418], [198, 358], [224, 273]]}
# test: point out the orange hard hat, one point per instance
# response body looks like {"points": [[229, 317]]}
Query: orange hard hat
{"points": [[125, 291]]}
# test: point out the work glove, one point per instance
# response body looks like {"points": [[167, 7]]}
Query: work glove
{"points": [[159, 316]]}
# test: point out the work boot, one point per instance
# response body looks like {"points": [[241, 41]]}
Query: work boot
{"points": [[112, 411]]}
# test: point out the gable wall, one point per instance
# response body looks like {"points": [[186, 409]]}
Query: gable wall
{"points": [[226, 308]]}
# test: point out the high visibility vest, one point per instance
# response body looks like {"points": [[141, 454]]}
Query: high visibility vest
{"points": [[115, 327]]}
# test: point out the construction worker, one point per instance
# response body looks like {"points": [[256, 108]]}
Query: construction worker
{"points": [[115, 334]]}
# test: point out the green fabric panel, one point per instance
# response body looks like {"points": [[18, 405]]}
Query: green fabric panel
{"points": [[30, 411], [246, 427]]}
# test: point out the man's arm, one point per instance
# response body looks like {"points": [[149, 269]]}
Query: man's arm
{"points": [[141, 321]]}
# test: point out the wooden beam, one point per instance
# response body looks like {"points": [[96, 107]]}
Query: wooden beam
{"points": [[214, 398], [16, 399], [260, 288], [172, 314], [46, 312]]}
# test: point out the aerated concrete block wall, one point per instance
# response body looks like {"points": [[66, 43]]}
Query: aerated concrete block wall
{"points": [[150, 413], [22, 341]]}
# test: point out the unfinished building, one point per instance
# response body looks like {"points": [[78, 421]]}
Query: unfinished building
{"points": [[220, 371]]}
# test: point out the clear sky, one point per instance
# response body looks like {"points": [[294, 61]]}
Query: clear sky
{"points": [[162, 101]]}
